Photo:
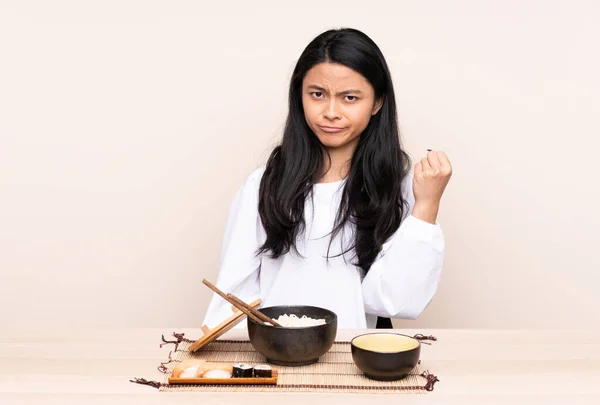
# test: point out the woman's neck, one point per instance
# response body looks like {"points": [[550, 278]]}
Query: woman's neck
{"points": [[339, 166]]}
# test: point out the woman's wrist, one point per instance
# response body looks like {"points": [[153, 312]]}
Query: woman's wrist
{"points": [[426, 211]]}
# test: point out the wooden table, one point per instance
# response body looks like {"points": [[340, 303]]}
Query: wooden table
{"points": [[474, 367]]}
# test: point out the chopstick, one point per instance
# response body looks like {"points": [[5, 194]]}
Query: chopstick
{"points": [[252, 313], [232, 302], [255, 312]]}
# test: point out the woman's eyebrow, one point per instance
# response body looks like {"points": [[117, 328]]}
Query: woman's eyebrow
{"points": [[341, 93]]}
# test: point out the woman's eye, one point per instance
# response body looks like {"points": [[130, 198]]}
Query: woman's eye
{"points": [[317, 94]]}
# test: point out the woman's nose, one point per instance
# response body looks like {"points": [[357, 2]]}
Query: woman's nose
{"points": [[332, 111]]}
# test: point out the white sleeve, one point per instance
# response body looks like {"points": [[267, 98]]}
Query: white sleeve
{"points": [[405, 276], [239, 269]]}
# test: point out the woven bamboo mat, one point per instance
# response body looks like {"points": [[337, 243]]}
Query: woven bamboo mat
{"points": [[334, 372]]}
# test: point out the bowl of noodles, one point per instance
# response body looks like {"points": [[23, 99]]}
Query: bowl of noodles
{"points": [[305, 334]]}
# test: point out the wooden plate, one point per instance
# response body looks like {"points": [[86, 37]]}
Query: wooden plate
{"points": [[227, 381]]}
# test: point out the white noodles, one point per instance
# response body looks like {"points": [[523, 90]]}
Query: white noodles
{"points": [[292, 321]]}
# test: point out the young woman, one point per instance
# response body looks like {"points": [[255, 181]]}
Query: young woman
{"points": [[338, 218]]}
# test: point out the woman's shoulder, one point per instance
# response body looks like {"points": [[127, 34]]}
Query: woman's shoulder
{"points": [[253, 179], [251, 184], [256, 174], [246, 198]]}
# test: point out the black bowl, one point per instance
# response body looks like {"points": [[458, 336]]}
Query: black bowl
{"points": [[385, 356], [300, 346]]}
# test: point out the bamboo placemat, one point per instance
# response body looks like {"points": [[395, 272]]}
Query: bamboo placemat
{"points": [[334, 372]]}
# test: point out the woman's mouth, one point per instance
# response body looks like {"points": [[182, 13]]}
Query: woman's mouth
{"points": [[330, 129]]}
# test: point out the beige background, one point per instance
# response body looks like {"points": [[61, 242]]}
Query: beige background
{"points": [[127, 126]]}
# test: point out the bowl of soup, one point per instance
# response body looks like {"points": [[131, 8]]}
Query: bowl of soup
{"points": [[306, 334], [385, 356]]}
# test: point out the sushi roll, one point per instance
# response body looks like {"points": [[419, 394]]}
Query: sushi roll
{"points": [[263, 371], [242, 370]]}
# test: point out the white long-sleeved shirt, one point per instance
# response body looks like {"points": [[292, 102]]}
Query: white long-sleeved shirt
{"points": [[400, 283]]}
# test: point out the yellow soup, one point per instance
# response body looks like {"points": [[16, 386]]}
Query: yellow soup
{"points": [[385, 343]]}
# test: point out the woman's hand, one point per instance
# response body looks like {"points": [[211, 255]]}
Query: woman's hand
{"points": [[431, 176]]}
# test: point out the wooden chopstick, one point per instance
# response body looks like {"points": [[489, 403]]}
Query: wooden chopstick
{"points": [[231, 301], [254, 311]]}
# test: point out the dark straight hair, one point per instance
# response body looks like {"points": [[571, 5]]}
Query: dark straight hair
{"points": [[372, 198]]}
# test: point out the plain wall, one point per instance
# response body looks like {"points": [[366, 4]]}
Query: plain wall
{"points": [[126, 128]]}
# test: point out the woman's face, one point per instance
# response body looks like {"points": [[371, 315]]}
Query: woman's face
{"points": [[338, 104]]}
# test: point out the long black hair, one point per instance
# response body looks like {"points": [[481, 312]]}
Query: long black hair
{"points": [[372, 198]]}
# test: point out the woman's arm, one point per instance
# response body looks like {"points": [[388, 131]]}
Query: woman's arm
{"points": [[240, 266], [405, 277]]}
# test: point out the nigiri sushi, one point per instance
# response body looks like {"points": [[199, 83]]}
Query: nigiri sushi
{"points": [[217, 370], [189, 369]]}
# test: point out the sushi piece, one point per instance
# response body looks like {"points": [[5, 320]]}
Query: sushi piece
{"points": [[263, 371], [217, 370], [216, 374], [242, 370], [190, 372], [189, 369]]}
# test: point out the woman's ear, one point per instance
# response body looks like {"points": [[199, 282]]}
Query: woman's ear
{"points": [[377, 106]]}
